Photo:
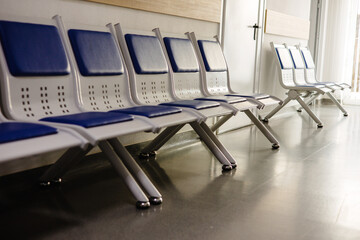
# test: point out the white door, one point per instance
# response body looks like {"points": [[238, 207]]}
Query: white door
{"points": [[240, 39]]}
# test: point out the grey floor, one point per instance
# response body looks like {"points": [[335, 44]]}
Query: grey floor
{"points": [[308, 189]]}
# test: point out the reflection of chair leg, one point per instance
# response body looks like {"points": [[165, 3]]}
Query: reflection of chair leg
{"points": [[221, 122], [308, 110], [222, 148], [263, 129], [61, 166], [160, 140], [309, 101], [275, 110], [337, 103], [155, 196], [142, 200], [211, 146]]}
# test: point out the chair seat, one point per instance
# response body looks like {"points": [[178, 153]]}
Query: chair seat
{"points": [[195, 104], [309, 86], [13, 131], [256, 96], [150, 111], [90, 119], [226, 99]]}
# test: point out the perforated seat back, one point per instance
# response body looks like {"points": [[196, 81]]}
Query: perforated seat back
{"points": [[103, 80], [186, 74], [36, 78], [151, 78], [299, 66], [215, 67], [286, 66], [310, 65]]}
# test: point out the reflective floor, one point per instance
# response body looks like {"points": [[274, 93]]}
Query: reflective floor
{"points": [[308, 189]]}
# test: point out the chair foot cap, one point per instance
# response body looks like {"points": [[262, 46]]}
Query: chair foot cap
{"points": [[156, 200], [142, 205], [275, 146]]}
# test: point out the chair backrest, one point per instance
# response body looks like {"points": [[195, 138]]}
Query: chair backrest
{"points": [[102, 79], [214, 69], [149, 74], [310, 65], [299, 65], [185, 68], [284, 64], [36, 77]]}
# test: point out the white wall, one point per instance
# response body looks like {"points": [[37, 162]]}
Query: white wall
{"points": [[269, 82], [98, 14]]}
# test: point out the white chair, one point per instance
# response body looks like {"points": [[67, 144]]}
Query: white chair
{"points": [[38, 83], [302, 77], [150, 83], [187, 84], [287, 76]]}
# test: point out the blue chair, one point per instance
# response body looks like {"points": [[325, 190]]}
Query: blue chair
{"points": [[215, 73], [287, 74], [40, 84], [187, 82], [151, 84], [303, 77]]}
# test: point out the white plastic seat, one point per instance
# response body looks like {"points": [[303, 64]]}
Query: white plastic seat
{"points": [[187, 84], [297, 90], [302, 78], [150, 83], [41, 85]]}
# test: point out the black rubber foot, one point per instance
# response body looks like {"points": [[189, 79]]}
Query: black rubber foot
{"points": [[142, 205], [299, 110], [152, 154], [226, 167], [45, 184], [156, 200], [319, 125], [275, 146], [144, 155], [345, 114], [234, 165]]}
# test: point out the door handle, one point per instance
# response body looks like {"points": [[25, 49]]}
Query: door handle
{"points": [[255, 27]]}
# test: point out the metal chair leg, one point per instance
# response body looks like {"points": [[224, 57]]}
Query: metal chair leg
{"points": [[337, 103], [160, 140], [308, 110], [212, 146], [263, 129], [275, 110], [222, 148], [54, 173], [155, 196], [142, 200], [307, 102], [221, 122]]}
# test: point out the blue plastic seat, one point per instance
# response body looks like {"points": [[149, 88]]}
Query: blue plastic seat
{"points": [[195, 104], [149, 111], [90, 119], [32, 57], [13, 131], [225, 99], [91, 58], [256, 96]]}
